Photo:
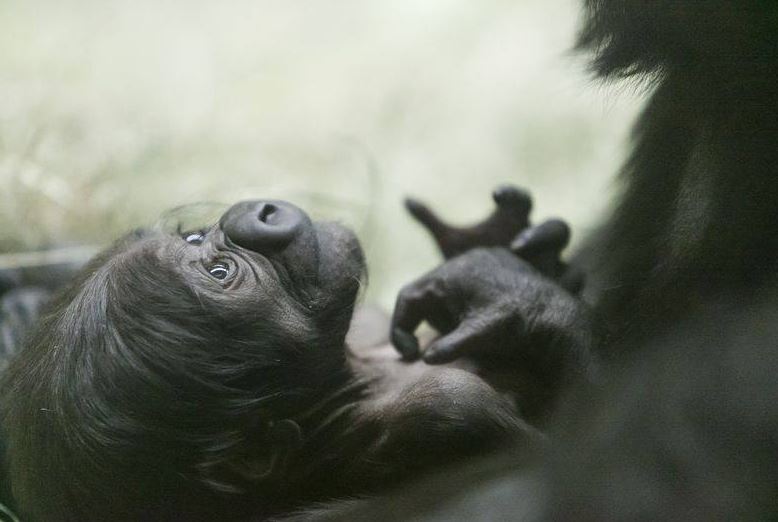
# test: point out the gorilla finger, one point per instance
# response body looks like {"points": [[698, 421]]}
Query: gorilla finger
{"points": [[573, 280], [424, 215], [414, 304], [512, 198], [551, 236], [468, 336]]}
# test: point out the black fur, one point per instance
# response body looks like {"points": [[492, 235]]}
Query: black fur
{"points": [[698, 214], [718, 38], [138, 390]]}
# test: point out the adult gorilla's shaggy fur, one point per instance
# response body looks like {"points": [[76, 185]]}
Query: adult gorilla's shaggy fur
{"points": [[698, 216]]}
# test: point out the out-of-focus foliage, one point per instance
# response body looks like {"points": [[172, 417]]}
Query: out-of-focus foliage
{"points": [[113, 110]]}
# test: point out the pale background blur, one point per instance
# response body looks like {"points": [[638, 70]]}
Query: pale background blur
{"points": [[113, 110]]}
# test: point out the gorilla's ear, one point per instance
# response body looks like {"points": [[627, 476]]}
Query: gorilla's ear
{"points": [[269, 458]]}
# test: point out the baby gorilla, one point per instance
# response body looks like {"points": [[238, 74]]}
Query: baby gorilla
{"points": [[205, 376]]}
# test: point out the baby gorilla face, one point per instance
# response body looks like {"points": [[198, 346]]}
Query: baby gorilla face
{"points": [[269, 257]]}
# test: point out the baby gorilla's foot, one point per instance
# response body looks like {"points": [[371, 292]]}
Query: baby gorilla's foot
{"points": [[509, 218], [507, 226]]}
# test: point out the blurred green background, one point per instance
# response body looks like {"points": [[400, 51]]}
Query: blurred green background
{"points": [[112, 111]]}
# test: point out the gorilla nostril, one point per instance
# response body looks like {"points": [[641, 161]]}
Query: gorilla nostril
{"points": [[266, 212], [263, 226]]}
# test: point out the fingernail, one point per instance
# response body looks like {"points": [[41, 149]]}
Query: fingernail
{"points": [[429, 357], [433, 357], [519, 243], [405, 343]]}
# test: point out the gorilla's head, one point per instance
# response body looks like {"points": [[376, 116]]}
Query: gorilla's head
{"points": [[180, 367]]}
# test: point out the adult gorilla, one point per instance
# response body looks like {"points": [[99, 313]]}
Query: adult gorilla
{"points": [[684, 422], [204, 376]]}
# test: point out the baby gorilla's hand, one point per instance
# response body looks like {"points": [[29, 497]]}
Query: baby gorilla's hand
{"points": [[542, 247], [508, 224], [488, 302]]}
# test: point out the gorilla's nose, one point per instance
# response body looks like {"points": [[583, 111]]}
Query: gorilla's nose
{"points": [[264, 225]]}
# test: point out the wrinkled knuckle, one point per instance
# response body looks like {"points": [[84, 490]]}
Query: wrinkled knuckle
{"points": [[480, 255], [437, 287], [408, 292]]}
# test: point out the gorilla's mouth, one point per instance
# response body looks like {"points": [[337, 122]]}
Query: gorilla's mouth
{"points": [[340, 255]]}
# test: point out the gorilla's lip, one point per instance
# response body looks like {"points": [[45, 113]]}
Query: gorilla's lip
{"points": [[322, 256]]}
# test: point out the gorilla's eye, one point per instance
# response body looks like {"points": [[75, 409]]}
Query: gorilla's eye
{"points": [[219, 271], [194, 238]]}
